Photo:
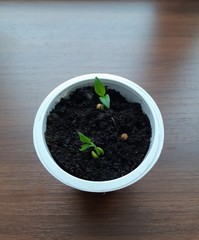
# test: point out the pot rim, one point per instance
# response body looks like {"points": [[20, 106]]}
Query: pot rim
{"points": [[97, 186]]}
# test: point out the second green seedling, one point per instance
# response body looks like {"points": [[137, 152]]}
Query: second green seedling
{"points": [[87, 143]]}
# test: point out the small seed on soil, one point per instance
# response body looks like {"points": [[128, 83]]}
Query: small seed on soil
{"points": [[124, 137], [100, 106]]}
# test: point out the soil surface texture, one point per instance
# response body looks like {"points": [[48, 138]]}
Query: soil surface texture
{"points": [[78, 113]]}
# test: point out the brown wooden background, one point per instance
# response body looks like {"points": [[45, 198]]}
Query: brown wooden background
{"points": [[153, 43]]}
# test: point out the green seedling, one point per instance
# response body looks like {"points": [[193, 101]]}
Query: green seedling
{"points": [[87, 143], [101, 91]]}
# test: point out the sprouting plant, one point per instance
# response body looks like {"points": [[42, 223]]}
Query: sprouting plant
{"points": [[101, 91], [87, 143]]}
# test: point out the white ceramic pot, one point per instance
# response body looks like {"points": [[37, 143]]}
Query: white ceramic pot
{"points": [[133, 93]]}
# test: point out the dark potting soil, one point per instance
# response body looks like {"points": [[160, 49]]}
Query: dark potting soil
{"points": [[78, 113]]}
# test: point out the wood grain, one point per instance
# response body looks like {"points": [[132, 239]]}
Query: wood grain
{"points": [[153, 43]]}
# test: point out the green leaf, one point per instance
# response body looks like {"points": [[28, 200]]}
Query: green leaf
{"points": [[99, 151], [83, 138], [94, 155], [105, 100], [99, 87], [85, 147]]}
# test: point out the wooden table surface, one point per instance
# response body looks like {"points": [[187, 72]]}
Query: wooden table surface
{"points": [[153, 43]]}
